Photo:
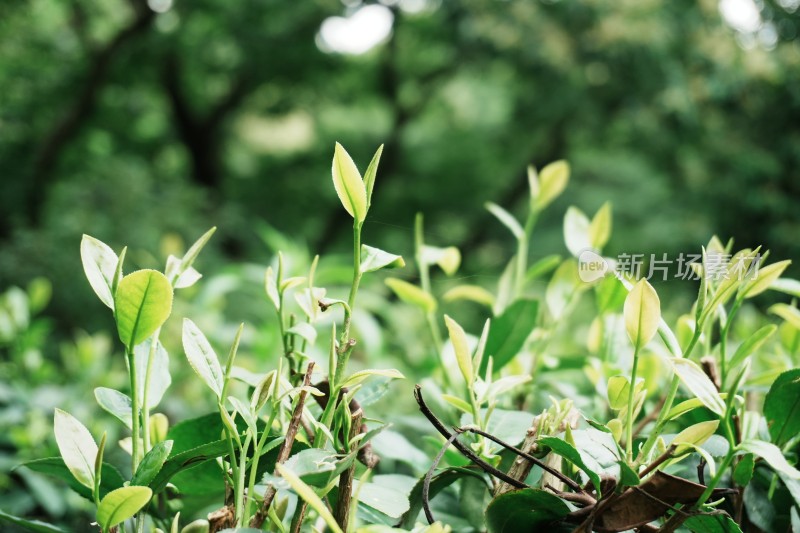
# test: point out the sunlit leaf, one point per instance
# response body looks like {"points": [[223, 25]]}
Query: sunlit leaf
{"points": [[600, 227], [77, 447], [202, 357], [694, 435], [309, 496], [143, 302], [507, 219], [552, 181], [576, 231], [121, 504], [473, 293], [461, 347], [373, 259], [764, 279], [349, 186], [372, 171], [699, 384], [411, 294], [642, 311], [99, 264]]}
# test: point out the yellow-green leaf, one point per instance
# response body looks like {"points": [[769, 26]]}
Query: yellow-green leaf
{"points": [[576, 231], [694, 435], [309, 496], [642, 311], [349, 186], [411, 294], [77, 447], [552, 180], [121, 504], [472, 293], [764, 278], [142, 304], [369, 175], [618, 392], [790, 314], [600, 227], [461, 348]]}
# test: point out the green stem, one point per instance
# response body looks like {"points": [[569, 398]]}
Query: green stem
{"points": [[134, 412], [723, 342], [629, 418], [522, 253], [345, 349], [254, 465], [240, 481], [145, 405]]}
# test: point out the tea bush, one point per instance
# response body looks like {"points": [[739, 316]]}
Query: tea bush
{"points": [[567, 403]]}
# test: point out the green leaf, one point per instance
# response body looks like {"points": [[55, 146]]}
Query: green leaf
{"points": [[77, 447], [348, 184], [688, 405], [99, 265], [439, 482], [764, 279], [787, 312], [305, 331], [772, 455], [694, 435], [151, 463], [642, 312], [309, 496], [121, 504], [372, 171], [461, 347], [576, 231], [448, 259], [525, 510], [115, 403], [361, 375], [618, 392], [202, 357], [543, 266], [271, 286], [373, 259], [472, 293], [699, 384], [787, 286], [54, 466], [411, 294], [627, 475], [30, 525], [507, 219], [782, 407], [508, 333], [143, 302], [752, 344], [743, 472], [571, 454], [177, 278], [600, 227], [552, 181], [160, 379], [714, 522]]}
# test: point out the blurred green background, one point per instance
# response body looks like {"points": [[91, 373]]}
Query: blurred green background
{"points": [[145, 123]]}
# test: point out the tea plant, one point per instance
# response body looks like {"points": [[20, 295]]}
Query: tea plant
{"points": [[655, 424]]}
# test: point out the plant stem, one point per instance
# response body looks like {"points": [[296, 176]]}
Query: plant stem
{"points": [[240, 511], [254, 463], [723, 341], [522, 253], [134, 412], [345, 347], [145, 401], [629, 418]]}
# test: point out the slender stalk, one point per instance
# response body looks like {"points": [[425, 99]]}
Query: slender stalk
{"points": [[345, 346], [254, 463], [522, 253], [240, 512], [629, 418], [723, 341], [145, 404], [134, 412]]}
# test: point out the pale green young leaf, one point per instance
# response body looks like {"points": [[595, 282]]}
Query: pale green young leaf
{"points": [[348, 184], [543, 266], [305, 331], [271, 286], [699, 384], [480, 350], [552, 181], [576, 231], [533, 185], [461, 347], [458, 403], [115, 403], [373, 259], [245, 411], [121, 504], [290, 283], [187, 278], [77, 447], [160, 378], [642, 312], [787, 312], [202, 357], [411, 294], [358, 377], [507, 219], [151, 463], [618, 392], [263, 391], [765, 278], [600, 227], [772, 455], [143, 302], [191, 254], [308, 495], [752, 344], [687, 406], [369, 175], [99, 265], [787, 286], [694, 435], [473, 293], [448, 259]]}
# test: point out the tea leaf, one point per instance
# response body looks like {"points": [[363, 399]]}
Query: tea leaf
{"points": [[713, 522], [552, 180], [202, 357], [77, 447], [543, 266], [694, 435], [787, 286], [787, 312], [448, 259], [309, 496], [29, 525], [618, 392], [472, 293], [752, 344], [373, 259], [361, 375], [305, 331], [121, 504], [189, 257], [411, 294], [571, 454], [143, 303], [55, 466], [533, 185], [642, 311], [765, 278], [509, 331], [100, 265], [524, 510], [151, 463], [600, 227], [348, 184], [782, 408], [699, 384], [180, 280], [772, 455], [369, 175], [576, 231], [743, 472], [461, 347], [115, 403], [160, 379], [507, 219], [271, 285]]}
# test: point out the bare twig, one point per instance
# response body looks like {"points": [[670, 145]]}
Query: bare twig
{"points": [[342, 513], [285, 449], [426, 484], [521, 466]]}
